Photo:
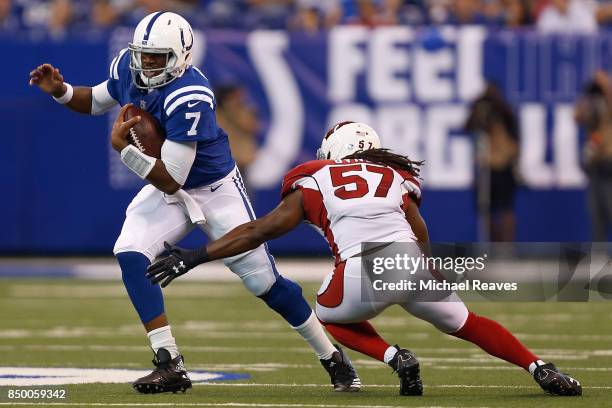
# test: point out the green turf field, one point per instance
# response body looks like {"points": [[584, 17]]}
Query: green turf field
{"points": [[220, 327]]}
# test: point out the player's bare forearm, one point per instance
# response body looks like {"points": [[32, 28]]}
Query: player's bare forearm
{"points": [[161, 179], [241, 239], [81, 100], [245, 237]]}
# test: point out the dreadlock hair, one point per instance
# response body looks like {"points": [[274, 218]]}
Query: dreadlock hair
{"points": [[385, 157]]}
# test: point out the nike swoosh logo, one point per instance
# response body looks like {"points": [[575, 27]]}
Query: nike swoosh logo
{"points": [[213, 189], [191, 105]]}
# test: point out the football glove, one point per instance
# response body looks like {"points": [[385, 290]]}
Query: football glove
{"points": [[178, 262]]}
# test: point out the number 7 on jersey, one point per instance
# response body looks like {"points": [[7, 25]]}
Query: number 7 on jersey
{"points": [[196, 116]]}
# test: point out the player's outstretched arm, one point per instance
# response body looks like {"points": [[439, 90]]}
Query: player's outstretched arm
{"points": [[285, 217], [50, 81], [245, 237]]}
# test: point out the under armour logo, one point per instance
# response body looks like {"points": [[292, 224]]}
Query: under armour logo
{"points": [[179, 366], [175, 269], [182, 265]]}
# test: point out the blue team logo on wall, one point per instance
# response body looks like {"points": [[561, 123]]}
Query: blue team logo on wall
{"points": [[30, 376]]}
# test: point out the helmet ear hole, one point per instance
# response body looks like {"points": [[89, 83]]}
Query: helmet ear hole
{"points": [[328, 155]]}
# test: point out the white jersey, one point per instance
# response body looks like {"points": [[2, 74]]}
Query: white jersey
{"points": [[354, 201]]}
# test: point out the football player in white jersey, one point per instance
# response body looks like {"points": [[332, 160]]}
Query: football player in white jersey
{"points": [[195, 183], [358, 192]]}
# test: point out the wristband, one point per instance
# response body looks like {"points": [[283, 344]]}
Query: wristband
{"points": [[138, 162], [196, 257], [66, 97]]}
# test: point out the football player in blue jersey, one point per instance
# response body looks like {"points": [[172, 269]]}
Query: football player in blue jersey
{"points": [[195, 182]]}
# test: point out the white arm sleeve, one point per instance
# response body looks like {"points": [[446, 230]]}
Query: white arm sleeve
{"points": [[101, 100], [178, 158]]}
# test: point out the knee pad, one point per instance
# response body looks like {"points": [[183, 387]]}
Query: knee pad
{"points": [[258, 283], [285, 297], [254, 269]]}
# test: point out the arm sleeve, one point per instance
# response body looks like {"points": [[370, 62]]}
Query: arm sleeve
{"points": [[101, 99], [178, 157]]}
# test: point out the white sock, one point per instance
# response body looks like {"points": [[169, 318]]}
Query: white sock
{"points": [[534, 365], [389, 354], [312, 331], [162, 338]]}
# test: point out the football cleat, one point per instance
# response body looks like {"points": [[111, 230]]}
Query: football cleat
{"points": [[555, 382], [169, 375], [343, 376], [406, 365]]}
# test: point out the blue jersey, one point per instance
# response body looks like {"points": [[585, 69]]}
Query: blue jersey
{"points": [[186, 110]]}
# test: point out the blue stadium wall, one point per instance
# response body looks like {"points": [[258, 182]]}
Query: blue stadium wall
{"points": [[65, 192]]}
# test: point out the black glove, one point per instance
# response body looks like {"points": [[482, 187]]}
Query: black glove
{"points": [[177, 263]]}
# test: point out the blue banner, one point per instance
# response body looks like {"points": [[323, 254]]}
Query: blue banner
{"points": [[66, 191]]}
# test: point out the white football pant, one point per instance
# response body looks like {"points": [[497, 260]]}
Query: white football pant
{"points": [[150, 221], [340, 300]]}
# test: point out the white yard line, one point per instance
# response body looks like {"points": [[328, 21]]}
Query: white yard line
{"points": [[209, 384], [213, 404], [557, 353]]}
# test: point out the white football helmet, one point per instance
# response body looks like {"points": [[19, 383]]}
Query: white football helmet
{"points": [[161, 33], [346, 138]]}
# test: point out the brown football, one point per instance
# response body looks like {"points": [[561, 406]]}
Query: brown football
{"points": [[147, 135]]}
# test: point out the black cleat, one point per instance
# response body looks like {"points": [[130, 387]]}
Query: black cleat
{"points": [[406, 365], [343, 376], [555, 382], [169, 375]]}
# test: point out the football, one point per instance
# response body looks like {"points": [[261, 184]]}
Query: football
{"points": [[147, 135]]}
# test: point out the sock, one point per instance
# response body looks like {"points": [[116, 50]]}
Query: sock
{"points": [[285, 298], [389, 354], [312, 331], [361, 337], [496, 340], [162, 338], [534, 365], [146, 298]]}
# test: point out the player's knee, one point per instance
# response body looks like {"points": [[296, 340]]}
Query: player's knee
{"points": [[451, 320], [129, 244], [255, 270], [258, 283], [285, 297]]}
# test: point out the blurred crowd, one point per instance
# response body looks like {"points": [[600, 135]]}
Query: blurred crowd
{"points": [[58, 18]]}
